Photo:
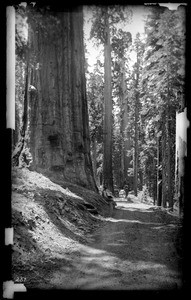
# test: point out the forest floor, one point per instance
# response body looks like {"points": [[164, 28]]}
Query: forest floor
{"points": [[60, 244]]}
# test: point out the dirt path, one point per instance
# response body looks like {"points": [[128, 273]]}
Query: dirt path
{"points": [[138, 248]]}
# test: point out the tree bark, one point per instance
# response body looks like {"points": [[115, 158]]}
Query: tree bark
{"points": [[136, 153], [107, 139], [169, 176], [154, 188], [158, 174], [94, 158], [141, 179], [164, 164], [59, 132], [125, 160]]}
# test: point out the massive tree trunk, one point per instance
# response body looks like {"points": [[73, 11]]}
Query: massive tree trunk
{"points": [[59, 133], [107, 139]]}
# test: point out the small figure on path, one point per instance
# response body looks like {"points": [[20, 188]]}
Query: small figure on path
{"points": [[126, 188]]}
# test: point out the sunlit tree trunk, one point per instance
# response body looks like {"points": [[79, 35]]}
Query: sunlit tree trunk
{"points": [[154, 188], [164, 163], [168, 134], [107, 131], [122, 176], [169, 154], [159, 177], [136, 152], [94, 157], [125, 160]]}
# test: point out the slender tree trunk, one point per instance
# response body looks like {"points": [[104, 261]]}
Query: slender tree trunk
{"points": [[168, 135], [122, 177], [159, 172], [169, 175], [136, 153], [122, 125], [164, 164], [158, 165], [94, 158], [154, 182], [125, 160], [59, 132], [136, 138], [107, 139], [25, 111], [141, 179]]}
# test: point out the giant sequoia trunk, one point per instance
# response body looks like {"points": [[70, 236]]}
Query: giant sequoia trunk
{"points": [[107, 139], [59, 133]]}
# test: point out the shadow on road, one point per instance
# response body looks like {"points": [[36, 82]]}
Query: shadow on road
{"points": [[137, 249]]}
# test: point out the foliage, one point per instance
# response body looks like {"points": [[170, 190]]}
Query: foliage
{"points": [[21, 47], [144, 195], [162, 80], [163, 73], [95, 103], [21, 30], [95, 98], [115, 14]]}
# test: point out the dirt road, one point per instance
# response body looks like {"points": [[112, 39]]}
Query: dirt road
{"points": [[137, 248]]}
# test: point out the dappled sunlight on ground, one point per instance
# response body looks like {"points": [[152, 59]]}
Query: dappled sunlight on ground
{"points": [[129, 221], [122, 256], [102, 269], [60, 245]]}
